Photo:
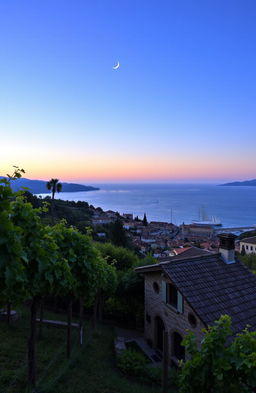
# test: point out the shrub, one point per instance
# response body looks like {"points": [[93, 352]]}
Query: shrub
{"points": [[154, 375], [220, 366], [132, 362], [135, 364]]}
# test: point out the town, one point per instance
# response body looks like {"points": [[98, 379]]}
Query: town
{"points": [[162, 239]]}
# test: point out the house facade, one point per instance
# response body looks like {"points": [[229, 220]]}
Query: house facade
{"points": [[166, 309], [190, 293], [248, 245]]}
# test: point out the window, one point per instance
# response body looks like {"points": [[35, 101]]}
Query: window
{"points": [[170, 295], [178, 351], [156, 287]]}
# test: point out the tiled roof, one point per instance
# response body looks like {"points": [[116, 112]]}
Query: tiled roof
{"points": [[250, 240], [213, 288], [186, 253], [179, 251]]}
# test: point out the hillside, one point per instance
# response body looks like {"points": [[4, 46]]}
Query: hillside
{"points": [[39, 186], [78, 213], [241, 183]]}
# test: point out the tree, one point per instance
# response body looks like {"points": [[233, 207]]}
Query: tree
{"points": [[89, 270], [106, 278], [117, 234], [120, 257], [54, 186], [145, 221], [250, 261], [220, 366], [46, 270], [11, 252], [243, 250], [126, 303]]}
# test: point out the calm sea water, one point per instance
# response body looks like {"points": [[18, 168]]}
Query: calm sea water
{"points": [[235, 206]]}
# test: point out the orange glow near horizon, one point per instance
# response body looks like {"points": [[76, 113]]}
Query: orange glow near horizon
{"points": [[115, 169]]}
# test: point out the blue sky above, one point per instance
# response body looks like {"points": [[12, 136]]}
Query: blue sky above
{"points": [[181, 105]]}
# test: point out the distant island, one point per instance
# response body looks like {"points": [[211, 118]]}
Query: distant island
{"points": [[39, 186], [241, 183]]}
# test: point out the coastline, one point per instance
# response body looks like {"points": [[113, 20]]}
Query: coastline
{"points": [[174, 203]]}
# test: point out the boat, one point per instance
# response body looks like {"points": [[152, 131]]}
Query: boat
{"points": [[204, 220]]}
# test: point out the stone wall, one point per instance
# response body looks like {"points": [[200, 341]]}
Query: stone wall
{"points": [[173, 321]]}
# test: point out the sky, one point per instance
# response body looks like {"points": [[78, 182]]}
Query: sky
{"points": [[180, 108]]}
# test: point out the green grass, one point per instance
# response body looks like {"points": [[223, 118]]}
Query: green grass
{"points": [[13, 353], [91, 368]]}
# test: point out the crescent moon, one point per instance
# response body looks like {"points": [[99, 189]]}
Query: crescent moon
{"points": [[116, 66]]}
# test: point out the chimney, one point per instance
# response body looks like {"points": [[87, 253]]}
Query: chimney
{"points": [[227, 247]]}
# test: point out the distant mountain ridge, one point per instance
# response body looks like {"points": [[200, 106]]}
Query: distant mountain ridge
{"points": [[241, 183], [39, 186]]}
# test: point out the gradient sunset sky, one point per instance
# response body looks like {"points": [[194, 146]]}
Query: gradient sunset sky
{"points": [[181, 107]]}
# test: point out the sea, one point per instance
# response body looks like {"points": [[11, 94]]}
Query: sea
{"points": [[177, 203]]}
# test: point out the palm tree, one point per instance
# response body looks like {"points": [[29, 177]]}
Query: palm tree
{"points": [[55, 186]]}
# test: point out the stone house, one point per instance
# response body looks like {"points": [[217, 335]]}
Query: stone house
{"points": [[191, 292], [248, 245]]}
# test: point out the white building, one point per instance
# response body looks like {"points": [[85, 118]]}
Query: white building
{"points": [[248, 245]]}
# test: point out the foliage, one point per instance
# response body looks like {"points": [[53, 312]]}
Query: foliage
{"points": [[247, 234], [46, 270], [131, 284], [34, 266], [35, 201], [77, 213], [106, 277], [127, 304], [120, 257], [129, 298], [145, 221], [12, 254], [38, 260], [249, 260], [118, 234], [154, 375], [54, 186], [243, 250], [132, 362], [148, 260], [135, 364], [89, 270], [217, 366], [75, 249]]}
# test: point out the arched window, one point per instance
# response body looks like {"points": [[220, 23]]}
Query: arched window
{"points": [[159, 333], [178, 351]]}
